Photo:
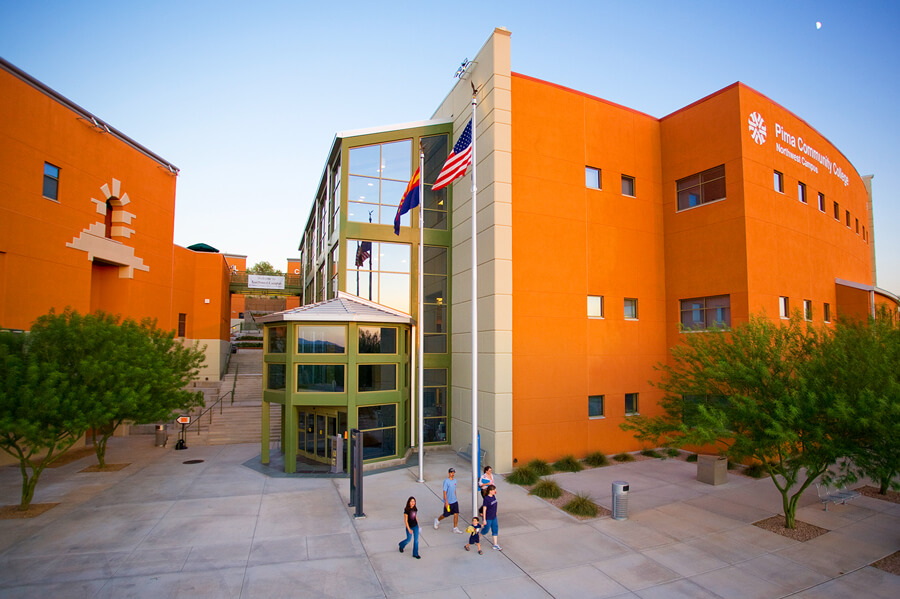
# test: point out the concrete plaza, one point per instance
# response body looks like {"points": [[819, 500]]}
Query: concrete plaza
{"points": [[221, 528]]}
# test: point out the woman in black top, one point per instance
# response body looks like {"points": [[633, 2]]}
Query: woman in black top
{"points": [[410, 519]]}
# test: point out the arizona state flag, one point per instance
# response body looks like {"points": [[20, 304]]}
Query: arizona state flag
{"points": [[410, 200]]}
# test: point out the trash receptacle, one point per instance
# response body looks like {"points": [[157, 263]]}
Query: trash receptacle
{"points": [[619, 500], [161, 435], [712, 469]]}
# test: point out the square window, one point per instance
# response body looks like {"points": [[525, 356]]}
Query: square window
{"points": [[837, 211], [801, 192], [631, 404], [595, 406], [592, 177], [631, 311], [51, 181], [827, 312], [627, 186], [595, 306], [784, 307], [779, 182], [822, 202], [807, 309]]}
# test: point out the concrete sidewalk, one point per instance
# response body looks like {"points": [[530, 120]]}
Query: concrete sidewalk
{"points": [[162, 528]]}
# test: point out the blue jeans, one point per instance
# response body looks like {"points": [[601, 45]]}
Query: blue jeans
{"points": [[415, 534], [490, 525]]}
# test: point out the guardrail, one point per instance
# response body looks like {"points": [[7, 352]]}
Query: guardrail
{"points": [[210, 408]]}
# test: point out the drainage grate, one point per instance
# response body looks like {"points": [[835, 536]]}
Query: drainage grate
{"points": [[193, 462]]}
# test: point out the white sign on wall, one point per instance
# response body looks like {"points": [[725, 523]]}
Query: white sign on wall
{"points": [[265, 282]]}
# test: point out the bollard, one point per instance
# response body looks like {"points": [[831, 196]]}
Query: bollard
{"points": [[161, 436]]}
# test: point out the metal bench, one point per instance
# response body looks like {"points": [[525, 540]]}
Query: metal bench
{"points": [[467, 454], [841, 496]]}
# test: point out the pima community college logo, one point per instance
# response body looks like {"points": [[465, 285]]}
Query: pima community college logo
{"points": [[757, 128]]}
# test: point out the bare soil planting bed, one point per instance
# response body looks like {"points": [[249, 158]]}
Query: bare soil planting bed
{"points": [[803, 531], [870, 491]]}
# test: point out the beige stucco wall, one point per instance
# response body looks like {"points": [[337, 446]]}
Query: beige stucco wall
{"points": [[490, 73]]}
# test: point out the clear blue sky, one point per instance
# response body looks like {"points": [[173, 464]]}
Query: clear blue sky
{"points": [[246, 97]]}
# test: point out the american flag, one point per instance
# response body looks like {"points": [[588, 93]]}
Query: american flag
{"points": [[458, 160], [363, 252]]}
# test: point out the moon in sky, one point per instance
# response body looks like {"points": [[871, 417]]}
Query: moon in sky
{"points": [[818, 24]]}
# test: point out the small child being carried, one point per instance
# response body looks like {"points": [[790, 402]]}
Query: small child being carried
{"points": [[474, 538]]}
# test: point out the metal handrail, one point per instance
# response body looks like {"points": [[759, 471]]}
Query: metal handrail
{"points": [[217, 402]]}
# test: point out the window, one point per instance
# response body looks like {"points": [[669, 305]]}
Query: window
{"points": [[592, 177], [703, 313], [779, 182], [857, 226], [631, 404], [379, 271], [275, 376], [377, 340], [377, 177], [631, 311], [377, 377], [435, 405], [182, 325], [277, 339], [51, 182], [435, 148], [595, 306], [320, 378], [702, 188], [837, 211], [847, 217], [865, 236], [822, 202], [801, 192], [628, 186], [321, 339], [807, 309], [784, 307], [827, 312], [378, 425], [595, 406], [435, 304]]}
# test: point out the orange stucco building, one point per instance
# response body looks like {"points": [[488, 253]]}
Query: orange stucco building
{"points": [[87, 221]]}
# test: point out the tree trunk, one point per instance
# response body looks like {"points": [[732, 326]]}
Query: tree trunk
{"points": [[790, 509]]}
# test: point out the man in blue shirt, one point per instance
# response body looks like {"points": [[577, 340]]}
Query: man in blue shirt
{"points": [[451, 504]]}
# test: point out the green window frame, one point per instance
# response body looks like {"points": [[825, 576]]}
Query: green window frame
{"points": [[321, 339], [321, 378], [378, 425]]}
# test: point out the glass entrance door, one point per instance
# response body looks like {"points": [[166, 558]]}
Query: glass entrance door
{"points": [[321, 441], [317, 426]]}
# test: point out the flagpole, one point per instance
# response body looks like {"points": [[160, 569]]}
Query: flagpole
{"points": [[476, 453], [421, 314]]}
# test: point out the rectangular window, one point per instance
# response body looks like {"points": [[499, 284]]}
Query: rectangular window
{"points": [[702, 188], [702, 313], [435, 202], [631, 311], [631, 404], [435, 409], [182, 325], [595, 406], [784, 307], [379, 271], [378, 425], [592, 177], [822, 202], [807, 309], [847, 218], [377, 377], [837, 211], [275, 376], [277, 339], [377, 176], [320, 378], [857, 226], [865, 236], [827, 312], [628, 186], [436, 304], [778, 181], [801, 192], [321, 339], [51, 182], [377, 340], [595, 306]]}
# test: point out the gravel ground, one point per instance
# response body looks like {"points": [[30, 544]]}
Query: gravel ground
{"points": [[802, 532], [889, 564], [565, 498], [870, 491]]}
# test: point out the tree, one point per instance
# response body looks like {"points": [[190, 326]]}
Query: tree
{"points": [[263, 268], [757, 391], [41, 413]]}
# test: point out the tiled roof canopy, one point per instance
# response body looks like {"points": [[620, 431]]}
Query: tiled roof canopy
{"points": [[344, 308]]}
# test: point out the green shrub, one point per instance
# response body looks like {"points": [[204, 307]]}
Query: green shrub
{"points": [[548, 489], [568, 464], [623, 457], [651, 453], [540, 467], [732, 465], [582, 505], [597, 459], [672, 452], [523, 475], [756, 471], [692, 458]]}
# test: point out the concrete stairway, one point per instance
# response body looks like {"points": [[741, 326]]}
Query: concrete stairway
{"points": [[240, 421]]}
